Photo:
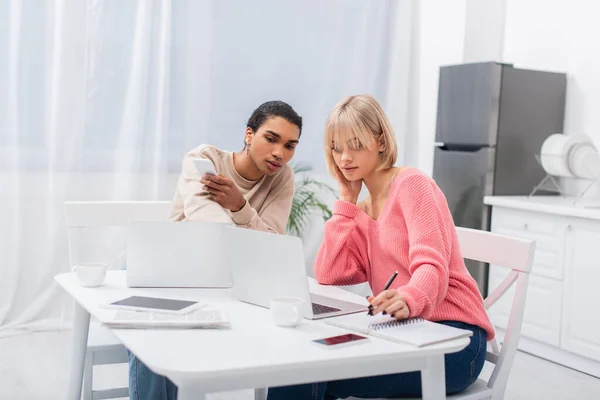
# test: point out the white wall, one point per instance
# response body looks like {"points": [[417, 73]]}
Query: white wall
{"points": [[550, 35], [561, 36], [484, 30], [440, 30]]}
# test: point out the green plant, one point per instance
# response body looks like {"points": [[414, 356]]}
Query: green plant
{"points": [[306, 200]]}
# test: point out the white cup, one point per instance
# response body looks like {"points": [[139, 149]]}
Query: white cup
{"points": [[90, 274], [286, 311]]}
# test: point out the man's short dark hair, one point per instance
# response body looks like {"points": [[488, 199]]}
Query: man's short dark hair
{"points": [[271, 109]]}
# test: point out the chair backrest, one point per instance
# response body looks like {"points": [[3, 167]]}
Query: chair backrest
{"points": [[516, 254], [80, 215], [86, 214]]}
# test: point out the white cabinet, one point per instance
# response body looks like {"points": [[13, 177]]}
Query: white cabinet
{"points": [[562, 311], [581, 310], [542, 310], [548, 233]]}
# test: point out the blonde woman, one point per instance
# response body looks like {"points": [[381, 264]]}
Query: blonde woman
{"points": [[403, 225]]}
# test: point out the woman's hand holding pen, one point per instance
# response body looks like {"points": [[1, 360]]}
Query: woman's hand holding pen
{"points": [[390, 301]]}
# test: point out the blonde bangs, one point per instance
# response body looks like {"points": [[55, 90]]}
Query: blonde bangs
{"points": [[346, 128], [343, 126], [359, 118]]}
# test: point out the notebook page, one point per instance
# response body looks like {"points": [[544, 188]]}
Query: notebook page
{"points": [[418, 332], [360, 322], [414, 331]]}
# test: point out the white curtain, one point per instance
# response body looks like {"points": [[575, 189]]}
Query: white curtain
{"points": [[100, 99]]}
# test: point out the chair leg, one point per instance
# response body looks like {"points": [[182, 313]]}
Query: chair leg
{"points": [[88, 376]]}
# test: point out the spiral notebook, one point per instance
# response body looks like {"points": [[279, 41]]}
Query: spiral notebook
{"points": [[415, 331]]}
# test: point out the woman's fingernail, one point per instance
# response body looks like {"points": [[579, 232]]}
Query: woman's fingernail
{"points": [[392, 315], [384, 313], [370, 312], [370, 307]]}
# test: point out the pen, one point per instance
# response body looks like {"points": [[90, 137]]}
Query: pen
{"points": [[389, 282], [386, 287]]}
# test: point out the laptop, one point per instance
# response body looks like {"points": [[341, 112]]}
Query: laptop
{"points": [[177, 254], [265, 265]]}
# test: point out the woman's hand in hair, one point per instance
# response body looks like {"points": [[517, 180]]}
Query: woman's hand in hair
{"points": [[349, 190], [223, 191]]}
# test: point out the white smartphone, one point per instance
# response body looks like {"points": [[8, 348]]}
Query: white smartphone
{"points": [[341, 340], [157, 304], [204, 166]]}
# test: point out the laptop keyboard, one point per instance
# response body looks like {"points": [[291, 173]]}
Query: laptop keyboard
{"points": [[321, 309]]}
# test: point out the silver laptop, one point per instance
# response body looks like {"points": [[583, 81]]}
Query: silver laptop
{"points": [[266, 265], [177, 254]]}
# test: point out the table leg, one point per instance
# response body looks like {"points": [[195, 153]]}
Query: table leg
{"points": [[81, 326], [433, 379], [185, 392], [260, 394]]}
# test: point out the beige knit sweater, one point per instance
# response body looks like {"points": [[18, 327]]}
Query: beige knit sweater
{"points": [[269, 199]]}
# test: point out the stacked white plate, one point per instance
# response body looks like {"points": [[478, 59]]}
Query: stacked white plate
{"points": [[571, 156], [584, 161]]}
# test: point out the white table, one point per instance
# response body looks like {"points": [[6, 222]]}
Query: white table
{"points": [[253, 353]]}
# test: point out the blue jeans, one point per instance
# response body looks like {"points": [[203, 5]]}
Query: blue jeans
{"points": [[462, 369], [147, 385]]}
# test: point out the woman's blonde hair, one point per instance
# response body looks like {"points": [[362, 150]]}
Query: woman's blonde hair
{"points": [[360, 118]]}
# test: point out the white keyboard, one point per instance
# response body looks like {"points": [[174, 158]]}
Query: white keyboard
{"points": [[203, 318], [198, 315]]}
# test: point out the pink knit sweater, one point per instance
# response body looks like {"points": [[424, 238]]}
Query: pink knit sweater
{"points": [[413, 235]]}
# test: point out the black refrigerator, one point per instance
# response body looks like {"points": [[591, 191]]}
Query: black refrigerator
{"points": [[492, 120]]}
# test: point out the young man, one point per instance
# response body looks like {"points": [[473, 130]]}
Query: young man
{"points": [[253, 189]]}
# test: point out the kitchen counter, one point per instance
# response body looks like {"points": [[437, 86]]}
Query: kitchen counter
{"points": [[557, 205], [563, 291]]}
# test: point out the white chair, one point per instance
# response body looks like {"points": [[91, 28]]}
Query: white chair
{"points": [[516, 254], [103, 347]]}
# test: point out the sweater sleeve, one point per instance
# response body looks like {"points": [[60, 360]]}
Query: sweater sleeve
{"points": [[341, 259], [273, 216], [429, 246]]}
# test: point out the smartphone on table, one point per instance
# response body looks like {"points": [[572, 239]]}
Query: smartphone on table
{"points": [[339, 341]]}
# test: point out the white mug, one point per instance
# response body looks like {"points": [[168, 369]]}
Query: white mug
{"points": [[286, 311], [90, 274]]}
